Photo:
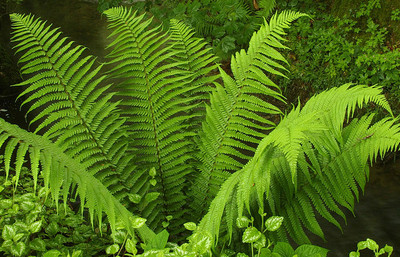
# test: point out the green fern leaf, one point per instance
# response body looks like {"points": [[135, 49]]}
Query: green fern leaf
{"points": [[236, 119], [300, 188], [60, 171], [158, 84]]}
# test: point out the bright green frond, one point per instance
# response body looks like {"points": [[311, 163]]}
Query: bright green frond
{"points": [[238, 117], [61, 172], [64, 90], [158, 82], [310, 165]]}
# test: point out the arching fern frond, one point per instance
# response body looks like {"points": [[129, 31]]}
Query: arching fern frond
{"points": [[304, 168], [60, 172], [157, 100], [64, 91], [239, 114]]}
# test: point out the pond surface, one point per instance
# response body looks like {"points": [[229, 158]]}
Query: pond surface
{"points": [[377, 216]]}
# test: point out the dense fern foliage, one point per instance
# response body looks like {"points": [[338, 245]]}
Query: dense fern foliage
{"points": [[161, 132], [238, 116], [309, 164]]}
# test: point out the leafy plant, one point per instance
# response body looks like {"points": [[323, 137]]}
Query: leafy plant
{"points": [[31, 226], [171, 128], [216, 21], [345, 49], [373, 246]]}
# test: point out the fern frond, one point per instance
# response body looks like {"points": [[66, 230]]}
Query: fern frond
{"points": [[64, 89], [310, 164], [157, 99], [239, 114], [60, 172]]}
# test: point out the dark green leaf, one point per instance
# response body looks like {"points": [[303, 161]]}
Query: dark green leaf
{"points": [[38, 244], [52, 228], [228, 44], [311, 250], [283, 249]]}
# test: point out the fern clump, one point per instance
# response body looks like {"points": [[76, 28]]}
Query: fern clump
{"points": [[161, 138]]}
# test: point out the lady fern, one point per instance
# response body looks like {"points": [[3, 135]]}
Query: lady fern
{"points": [[64, 90], [167, 76], [238, 116], [309, 164], [172, 135]]}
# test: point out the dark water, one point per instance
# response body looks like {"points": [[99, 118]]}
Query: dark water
{"points": [[377, 216]]}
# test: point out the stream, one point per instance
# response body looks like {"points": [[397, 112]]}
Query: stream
{"points": [[377, 215]]}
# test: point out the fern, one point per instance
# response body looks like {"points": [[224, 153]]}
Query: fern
{"points": [[159, 96], [60, 172], [143, 138], [309, 164], [237, 118], [64, 89]]}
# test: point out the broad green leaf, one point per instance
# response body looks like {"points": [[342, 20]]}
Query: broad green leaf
{"points": [[388, 249], [18, 249], [76, 253], [190, 226], [130, 246], [134, 198], [35, 227], [18, 236], [250, 235], [201, 241], [241, 255], [112, 249], [138, 222], [372, 245], [169, 217], [361, 245], [227, 44], [158, 242], [5, 203], [38, 244], [311, 250], [242, 222], [283, 249], [354, 254], [260, 243], [8, 232], [52, 228], [52, 253], [27, 206], [273, 223], [151, 196]]}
